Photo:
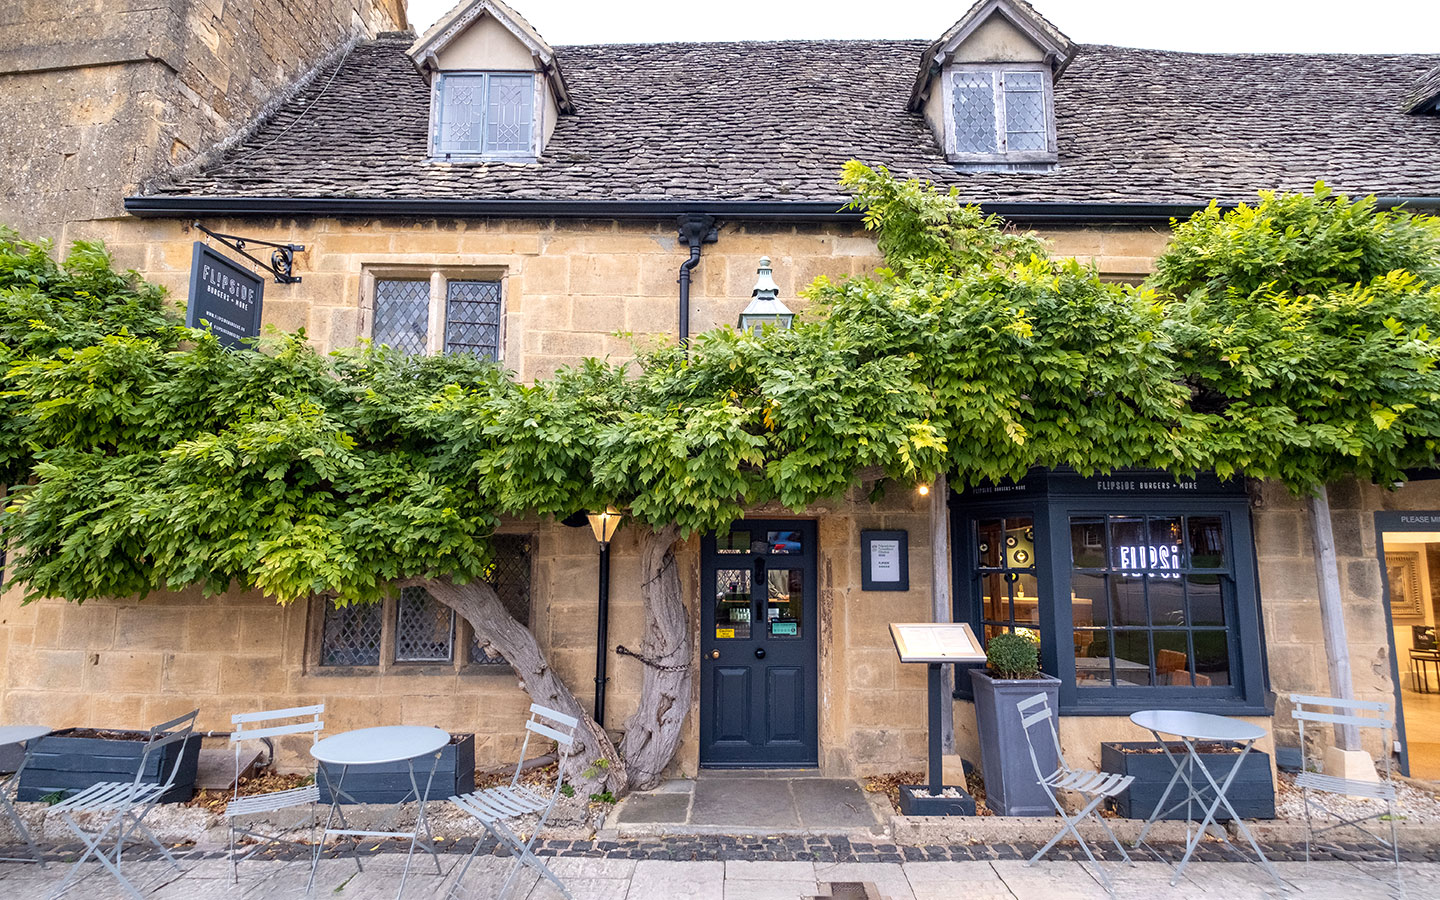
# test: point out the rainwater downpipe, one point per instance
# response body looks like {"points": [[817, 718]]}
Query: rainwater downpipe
{"points": [[696, 229]]}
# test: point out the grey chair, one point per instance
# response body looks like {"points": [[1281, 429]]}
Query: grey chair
{"points": [[1093, 787], [259, 726], [121, 806], [1314, 784], [495, 807]]}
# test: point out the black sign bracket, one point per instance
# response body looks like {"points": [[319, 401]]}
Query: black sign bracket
{"points": [[282, 258]]}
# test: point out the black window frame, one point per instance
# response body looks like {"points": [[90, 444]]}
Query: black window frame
{"points": [[1052, 499]]}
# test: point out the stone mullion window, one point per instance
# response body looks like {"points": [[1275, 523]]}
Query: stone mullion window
{"points": [[413, 632], [463, 312]]}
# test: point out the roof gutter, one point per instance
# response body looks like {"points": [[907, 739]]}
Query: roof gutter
{"points": [[748, 210]]}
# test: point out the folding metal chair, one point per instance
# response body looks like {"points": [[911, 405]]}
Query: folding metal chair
{"points": [[1094, 787], [1312, 780], [257, 726], [492, 807], [123, 806]]}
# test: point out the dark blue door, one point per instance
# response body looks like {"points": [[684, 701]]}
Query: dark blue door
{"points": [[759, 705]]}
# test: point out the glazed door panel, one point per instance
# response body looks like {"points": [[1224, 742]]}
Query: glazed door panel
{"points": [[759, 706]]}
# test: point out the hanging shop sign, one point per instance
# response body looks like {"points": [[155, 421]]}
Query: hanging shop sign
{"points": [[225, 296], [884, 561]]}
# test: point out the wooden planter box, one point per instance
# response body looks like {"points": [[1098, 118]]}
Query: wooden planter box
{"points": [[390, 782], [1252, 793], [68, 761]]}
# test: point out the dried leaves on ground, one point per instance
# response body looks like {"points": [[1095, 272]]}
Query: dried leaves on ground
{"points": [[250, 785]]}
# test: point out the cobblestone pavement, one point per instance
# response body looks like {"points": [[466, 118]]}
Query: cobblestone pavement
{"points": [[740, 868]]}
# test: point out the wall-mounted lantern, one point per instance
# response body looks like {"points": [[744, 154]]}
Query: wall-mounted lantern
{"points": [[604, 524], [765, 308]]}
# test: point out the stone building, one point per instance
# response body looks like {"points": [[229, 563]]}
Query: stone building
{"points": [[476, 189]]}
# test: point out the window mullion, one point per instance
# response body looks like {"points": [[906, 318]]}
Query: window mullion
{"points": [[435, 338], [1002, 138]]}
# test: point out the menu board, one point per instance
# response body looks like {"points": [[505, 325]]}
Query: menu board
{"points": [[936, 642]]}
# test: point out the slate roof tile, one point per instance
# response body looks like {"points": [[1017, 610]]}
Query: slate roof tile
{"points": [[776, 120]]}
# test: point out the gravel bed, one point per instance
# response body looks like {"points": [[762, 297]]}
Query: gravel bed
{"points": [[1411, 803]]}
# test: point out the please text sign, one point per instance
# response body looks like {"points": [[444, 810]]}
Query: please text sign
{"points": [[224, 295]]}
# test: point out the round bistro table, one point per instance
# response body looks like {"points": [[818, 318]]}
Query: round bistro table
{"points": [[374, 746], [20, 734], [1191, 728]]}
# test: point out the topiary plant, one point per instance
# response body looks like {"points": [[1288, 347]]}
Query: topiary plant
{"points": [[1012, 656]]}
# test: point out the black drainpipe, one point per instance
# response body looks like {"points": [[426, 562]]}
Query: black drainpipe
{"points": [[695, 229]]}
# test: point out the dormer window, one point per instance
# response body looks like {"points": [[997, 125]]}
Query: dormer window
{"points": [[1000, 114], [496, 86], [987, 88], [483, 115]]}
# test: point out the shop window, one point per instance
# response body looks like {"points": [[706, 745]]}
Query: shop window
{"points": [[1139, 586], [1148, 600], [1006, 577], [438, 314], [414, 628]]}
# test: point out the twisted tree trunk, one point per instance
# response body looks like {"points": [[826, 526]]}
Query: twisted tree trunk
{"points": [[478, 604], [653, 733]]}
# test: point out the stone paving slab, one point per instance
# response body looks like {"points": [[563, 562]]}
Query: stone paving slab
{"points": [[206, 876], [728, 801]]}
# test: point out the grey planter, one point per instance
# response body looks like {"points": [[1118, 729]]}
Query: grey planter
{"points": [[1011, 788], [1252, 793], [65, 764], [390, 782]]}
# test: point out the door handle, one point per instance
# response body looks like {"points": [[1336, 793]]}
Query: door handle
{"points": [[714, 654], [759, 652]]}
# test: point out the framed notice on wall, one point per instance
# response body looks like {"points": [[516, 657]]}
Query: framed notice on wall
{"points": [[884, 561], [224, 295]]}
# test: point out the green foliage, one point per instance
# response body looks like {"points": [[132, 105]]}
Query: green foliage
{"points": [[1011, 656], [1305, 329], [48, 308], [604, 797], [1292, 339]]}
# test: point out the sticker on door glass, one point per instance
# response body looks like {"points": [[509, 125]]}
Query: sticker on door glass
{"points": [[785, 628], [724, 632]]}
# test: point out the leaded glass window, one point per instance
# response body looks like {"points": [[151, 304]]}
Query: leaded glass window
{"points": [[402, 314], [997, 111], [424, 628], [975, 113], [484, 114], [351, 635], [472, 318], [510, 576], [1025, 125]]}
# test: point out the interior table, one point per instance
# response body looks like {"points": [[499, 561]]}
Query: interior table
{"points": [[20, 734], [1191, 728], [1419, 673], [372, 746]]}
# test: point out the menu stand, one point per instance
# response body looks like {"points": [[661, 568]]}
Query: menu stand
{"points": [[936, 644]]}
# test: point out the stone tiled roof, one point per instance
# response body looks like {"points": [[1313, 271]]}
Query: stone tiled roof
{"points": [[1425, 95], [774, 122]]}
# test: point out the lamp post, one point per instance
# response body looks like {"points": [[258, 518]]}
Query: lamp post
{"points": [[765, 308], [604, 525]]}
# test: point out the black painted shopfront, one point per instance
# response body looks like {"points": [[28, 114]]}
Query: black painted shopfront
{"points": [[1140, 586]]}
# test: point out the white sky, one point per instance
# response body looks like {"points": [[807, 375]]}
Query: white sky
{"points": [[1355, 26]]}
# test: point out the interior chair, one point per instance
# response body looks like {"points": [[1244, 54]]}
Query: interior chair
{"points": [[265, 726], [495, 807], [1315, 785], [121, 806], [1094, 788]]}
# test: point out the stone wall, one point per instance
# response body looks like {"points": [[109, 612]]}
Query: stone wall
{"points": [[102, 95], [1289, 590]]}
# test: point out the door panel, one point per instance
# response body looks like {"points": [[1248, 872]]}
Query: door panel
{"points": [[732, 712], [758, 675], [784, 703]]}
